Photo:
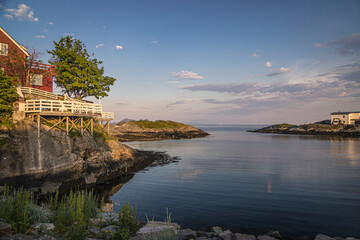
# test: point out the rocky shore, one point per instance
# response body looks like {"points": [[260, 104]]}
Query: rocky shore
{"points": [[58, 161], [145, 130], [313, 129], [105, 228]]}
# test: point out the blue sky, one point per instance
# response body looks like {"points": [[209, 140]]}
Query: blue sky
{"points": [[204, 61]]}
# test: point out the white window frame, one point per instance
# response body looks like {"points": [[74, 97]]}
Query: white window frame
{"points": [[36, 79], [4, 49]]}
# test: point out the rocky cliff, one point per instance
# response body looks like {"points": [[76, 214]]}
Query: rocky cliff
{"points": [[313, 129], [58, 161], [145, 130]]}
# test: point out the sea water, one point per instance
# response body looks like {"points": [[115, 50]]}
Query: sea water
{"points": [[252, 182]]}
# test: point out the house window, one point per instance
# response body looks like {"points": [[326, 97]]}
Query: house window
{"points": [[3, 49], [36, 79]]}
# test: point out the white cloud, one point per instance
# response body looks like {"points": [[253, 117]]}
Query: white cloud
{"points": [[50, 23], [255, 55], [268, 64], [99, 45], [187, 75], [22, 12], [153, 42], [8, 16], [118, 47], [173, 82], [69, 34], [40, 36], [275, 72]]}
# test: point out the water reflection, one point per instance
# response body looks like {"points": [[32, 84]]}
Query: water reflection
{"points": [[292, 183]]}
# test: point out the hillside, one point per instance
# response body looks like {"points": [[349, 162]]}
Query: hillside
{"points": [[312, 129], [145, 130]]}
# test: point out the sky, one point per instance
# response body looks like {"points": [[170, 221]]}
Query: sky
{"points": [[208, 61]]}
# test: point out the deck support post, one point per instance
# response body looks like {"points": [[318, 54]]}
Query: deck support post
{"points": [[92, 126], [81, 125], [67, 125], [38, 124], [108, 127]]}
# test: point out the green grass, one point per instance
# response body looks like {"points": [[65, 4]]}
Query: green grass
{"points": [[284, 125], [17, 208], [322, 126], [158, 124]]}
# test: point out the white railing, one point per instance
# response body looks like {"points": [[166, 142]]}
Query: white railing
{"points": [[58, 106], [106, 115], [41, 93]]}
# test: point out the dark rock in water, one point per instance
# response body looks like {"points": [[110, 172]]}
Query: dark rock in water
{"points": [[186, 234], [323, 237], [216, 229], [274, 234], [264, 237], [240, 236], [226, 235]]}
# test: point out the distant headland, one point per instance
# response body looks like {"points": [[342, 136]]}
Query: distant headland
{"points": [[318, 128], [146, 130]]}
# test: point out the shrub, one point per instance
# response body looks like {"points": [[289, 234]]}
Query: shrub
{"points": [[15, 207], [127, 222]]}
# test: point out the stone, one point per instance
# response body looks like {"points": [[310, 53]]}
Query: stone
{"points": [[323, 237], [16, 237], [110, 229], [187, 234], [94, 221], [214, 238], [216, 229], [46, 237], [275, 234], [153, 229], [240, 236], [47, 227], [201, 238], [351, 238], [93, 230], [5, 228], [264, 237], [339, 238], [226, 235], [205, 234]]}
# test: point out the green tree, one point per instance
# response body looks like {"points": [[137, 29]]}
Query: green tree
{"points": [[77, 72], [8, 96]]}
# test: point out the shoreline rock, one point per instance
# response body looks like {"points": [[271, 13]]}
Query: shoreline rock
{"points": [[313, 129], [159, 130]]}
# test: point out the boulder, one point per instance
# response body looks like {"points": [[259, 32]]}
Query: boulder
{"points": [[264, 237], [93, 230], [205, 234], [5, 228], [216, 229], [153, 229], [47, 227], [226, 235], [16, 237], [186, 234], [323, 237], [201, 238], [240, 236], [274, 234]]}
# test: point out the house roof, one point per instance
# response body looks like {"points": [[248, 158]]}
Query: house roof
{"points": [[343, 113], [21, 47]]}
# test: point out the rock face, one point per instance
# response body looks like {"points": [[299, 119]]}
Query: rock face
{"points": [[133, 131], [313, 129], [57, 160]]}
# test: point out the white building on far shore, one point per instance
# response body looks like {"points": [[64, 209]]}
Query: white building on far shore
{"points": [[345, 118]]}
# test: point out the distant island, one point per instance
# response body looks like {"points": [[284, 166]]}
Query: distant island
{"points": [[318, 128], [146, 130]]}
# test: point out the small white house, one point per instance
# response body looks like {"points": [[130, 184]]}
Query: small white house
{"points": [[345, 118]]}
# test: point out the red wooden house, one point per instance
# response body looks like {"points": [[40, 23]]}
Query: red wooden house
{"points": [[13, 62]]}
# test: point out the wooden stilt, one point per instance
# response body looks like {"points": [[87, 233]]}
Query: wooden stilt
{"points": [[92, 126], [38, 125], [81, 125], [67, 125], [108, 127]]}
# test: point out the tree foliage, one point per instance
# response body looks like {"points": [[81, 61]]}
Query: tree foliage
{"points": [[77, 72], [8, 96]]}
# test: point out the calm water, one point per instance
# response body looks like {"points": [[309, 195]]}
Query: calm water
{"points": [[252, 182]]}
